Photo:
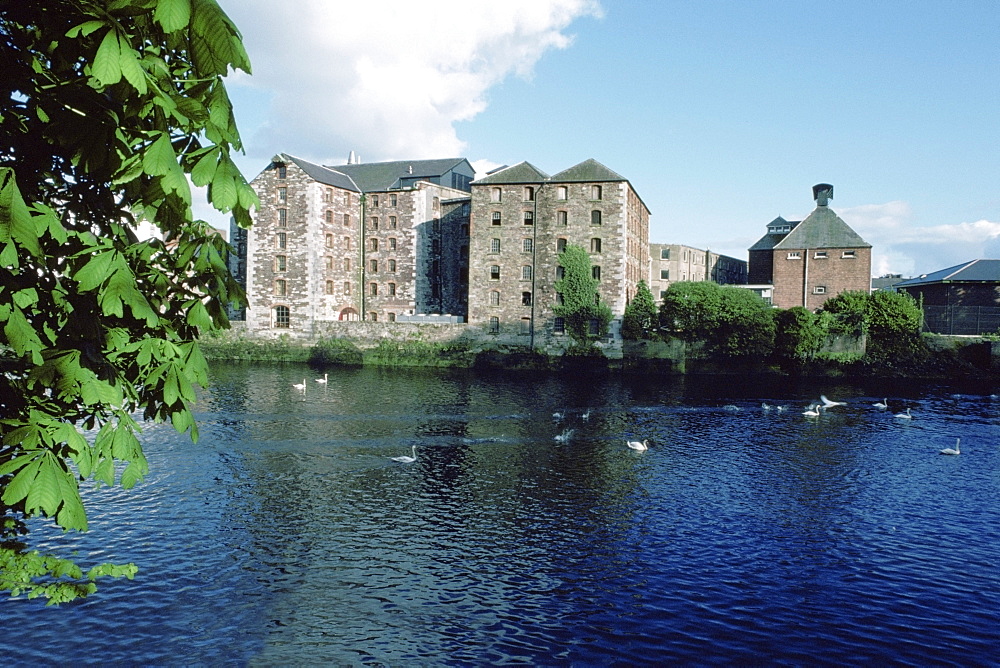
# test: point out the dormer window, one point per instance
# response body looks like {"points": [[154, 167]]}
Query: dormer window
{"points": [[795, 255]]}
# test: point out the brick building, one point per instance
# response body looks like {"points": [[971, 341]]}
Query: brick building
{"points": [[522, 219], [357, 241], [671, 263], [810, 261]]}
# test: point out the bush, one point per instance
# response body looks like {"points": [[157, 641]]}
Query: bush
{"points": [[640, 319], [733, 322], [800, 334], [335, 351]]}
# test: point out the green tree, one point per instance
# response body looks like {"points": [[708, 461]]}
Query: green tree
{"points": [[847, 313], [106, 110], [587, 317], [893, 322], [641, 318], [732, 321], [800, 333]]}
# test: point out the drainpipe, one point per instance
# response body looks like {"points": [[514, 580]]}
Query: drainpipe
{"points": [[361, 234], [534, 269], [805, 279]]}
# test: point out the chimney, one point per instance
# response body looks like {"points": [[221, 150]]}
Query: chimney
{"points": [[822, 193], [350, 158], [409, 169]]}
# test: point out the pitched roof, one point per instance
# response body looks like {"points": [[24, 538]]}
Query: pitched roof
{"points": [[822, 229], [522, 172], [589, 170], [973, 271], [319, 173], [380, 176], [771, 239]]}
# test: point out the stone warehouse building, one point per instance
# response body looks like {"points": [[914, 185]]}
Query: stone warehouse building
{"points": [[374, 241], [522, 219], [810, 261], [672, 263]]}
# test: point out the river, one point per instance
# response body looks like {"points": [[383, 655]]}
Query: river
{"points": [[288, 536]]}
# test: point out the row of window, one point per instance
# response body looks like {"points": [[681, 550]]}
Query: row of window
{"points": [[822, 255], [558, 326], [562, 193], [282, 317], [376, 201], [528, 245], [374, 223], [526, 272], [562, 217]]}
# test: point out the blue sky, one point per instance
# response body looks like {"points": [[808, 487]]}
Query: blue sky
{"points": [[721, 114]]}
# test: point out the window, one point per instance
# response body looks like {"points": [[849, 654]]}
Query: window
{"points": [[496, 218], [495, 272], [392, 266], [347, 198], [328, 263], [664, 253], [494, 325], [282, 172], [373, 265], [329, 241], [347, 220], [663, 294], [436, 203], [560, 273], [392, 289], [848, 254], [328, 195], [392, 222], [595, 245], [392, 317], [374, 244], [282, 217], [392, 244], [529, 217], [526, 272], [527, 245], [819, 290], [560, 245], [280, 287], [495, 194], [794, 255], [595, 217], [392, 200], [465, 229], [329, 287], [494, 245], [562, 218], [347, 243], [373, 316], [560, 298], [559, 326], [282, 317], [529, 194], [280, 263], [595, 192], [347, 287], [281, 241], [664, 274], [594, 327], [282, 194], [375, 223], [562, 193], [373, 289], [374, 201], [525, 326], [595, 272], [494, 298], [328, 216], [819, 255], [526, 298], [347, 264]]}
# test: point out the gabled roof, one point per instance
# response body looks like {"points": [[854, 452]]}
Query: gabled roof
{"points": [[319, 173], [589, 170], [974, 271], [381, 176], [771, 239], [522, 172], [822, 229]]}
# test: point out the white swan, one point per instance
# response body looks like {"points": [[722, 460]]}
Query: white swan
{"points": [[953, 451], [636, 445], [906, 415], [302, 387], [406, 459], [323, 379], [585, 416], [812, 410], [765, 406], [559, 415], [564, 436], [828, 404], [881, 405]]}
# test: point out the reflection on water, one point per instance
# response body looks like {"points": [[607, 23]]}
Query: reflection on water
{"points": [[289, 536]]}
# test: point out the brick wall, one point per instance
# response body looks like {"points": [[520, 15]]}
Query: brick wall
{"points": [[809, 280]]}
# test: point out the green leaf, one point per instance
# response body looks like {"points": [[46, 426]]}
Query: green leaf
{"points": [[159, 157], [45, 489], [18, 488], [204, 170], [107, 67], [132, 474], [85, 28], [21, 336], [95, 272], [132, 70], [222, 193], [173, 14], [16, 222]]}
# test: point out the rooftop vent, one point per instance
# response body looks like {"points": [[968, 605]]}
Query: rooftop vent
{"points": [[822, 193]]}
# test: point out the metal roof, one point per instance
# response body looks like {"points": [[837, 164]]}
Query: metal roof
{"points": [[973, 271]]}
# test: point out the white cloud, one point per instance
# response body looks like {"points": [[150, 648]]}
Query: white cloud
{"points": [[386, 78]]}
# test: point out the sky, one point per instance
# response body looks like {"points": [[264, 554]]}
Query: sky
{"points": [[722, 115]]}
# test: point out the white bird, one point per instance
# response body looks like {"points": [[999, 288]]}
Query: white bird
{"points": [[782, 408], [406, 459], [881, 405], [558, 415], [905, 416], [812, 410], [765, 406], [323, 379], [585, 416], [828, 404], [953, 451], [302, 387], [636, 445], [564, 436]]}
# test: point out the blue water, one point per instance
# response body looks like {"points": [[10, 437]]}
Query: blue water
{"points": [[287, 535]]}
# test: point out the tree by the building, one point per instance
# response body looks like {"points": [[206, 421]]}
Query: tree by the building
{"points": [[732, 322], [586, 317], [641, 318], [799, 335], [106, 111]]}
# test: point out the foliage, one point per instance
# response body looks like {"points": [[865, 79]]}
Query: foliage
{"points": [[800, 333], [418, 353], [335, 351], [733, 322], [106, 109], [582, 306], [893, 322], [641, 319], [225, 346], [847, 313]]}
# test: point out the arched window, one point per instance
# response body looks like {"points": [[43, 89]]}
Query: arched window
{"points": [[595, 192], [560, 245], [595, 217]]}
